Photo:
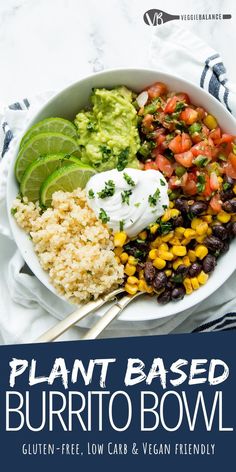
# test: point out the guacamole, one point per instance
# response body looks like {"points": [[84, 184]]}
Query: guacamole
{"points": [[108, 133]]}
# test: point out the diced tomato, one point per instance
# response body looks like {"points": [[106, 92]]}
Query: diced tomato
{"points": [[215, 203], [189, 116], [147, 122], [156, 90], [174, 182], [185, 159], [201, 148], [226, 138], [214, 183], [229, 170], [164, 165], [232, 160], [207, 190], [201, 113], [183, 97], [171, 104], [180, 143], [190, 187], [215, 135], [150, 165]]}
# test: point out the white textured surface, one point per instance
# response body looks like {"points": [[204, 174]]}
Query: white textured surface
{"points": [[47, 44]]}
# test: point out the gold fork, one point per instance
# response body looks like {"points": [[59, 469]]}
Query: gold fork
{"points": [[85, 310]]}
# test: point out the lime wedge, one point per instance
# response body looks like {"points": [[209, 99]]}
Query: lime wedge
{"points": [[50, 125], [37, 172], [67, 179], [41, 145]]}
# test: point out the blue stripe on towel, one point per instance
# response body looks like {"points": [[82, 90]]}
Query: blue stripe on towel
{"points": [[223, 323]]}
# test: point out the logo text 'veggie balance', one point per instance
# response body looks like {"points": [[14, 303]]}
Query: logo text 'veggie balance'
{"points": [[155, 17]]}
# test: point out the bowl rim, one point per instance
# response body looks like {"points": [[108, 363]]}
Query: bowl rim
{"points": [[200, 295]]}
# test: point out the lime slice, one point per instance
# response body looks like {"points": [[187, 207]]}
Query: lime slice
{"points": [[50, 125], [67, 179], [37, 172], [41, 145]]}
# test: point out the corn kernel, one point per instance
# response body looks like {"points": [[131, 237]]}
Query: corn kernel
{"points": [[203, 277], [141, 274], [207, 218], [223, 217], [166, 255], [132, 260], [202, 228], [179, 250], [117, 259], [185, 241], [210, 122], [186, 261], [192, 255], [177, 263], [189, 233], [142, 286], [156, 243], [194, 282], [130, 269], [153, 254], [143, 235], [159, 263], [167, 237], [124, 257], [171, 205], [154, 228], [163, 247], [132, 280], [234, 188], [167, 216], [188, 286], [179, 231], [168, 273], [174, 213], [209, 231], [175, 242], [118, 251], [119, 239], [131, 289], [201, 251], [200, 239], [195, 222]]}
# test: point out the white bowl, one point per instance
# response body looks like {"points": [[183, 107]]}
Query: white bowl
{"points": [[66, 104]]}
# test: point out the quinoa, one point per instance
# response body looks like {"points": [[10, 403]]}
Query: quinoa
{"points": [[72, 245]]}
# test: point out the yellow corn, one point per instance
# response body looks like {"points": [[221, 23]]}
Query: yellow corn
{"points": [[132, 260], [153, 254], [223, 217], [201, 251], [117, 259], [171, 205], [210, 122], [166, 255], [154, 228], [143, 235], [179, 250], [119, 239], [234, 188], [188, 286], [124, 257], [175, 242], [156, 243], [209, 231], [177, 263], [195, 222], [203, 277], [189, 233], [144, 287], [202, 228], [186, 261], [159, 263], [168, 272], [192, 255], [163, 247], [118, 251], [167, 237], [200, 239], [167, 216], [179, 231], [131, 289], [194, 282], [141, 274], [185, 241], [207, 218], [132, 280], [174, 213], [130, 269]]}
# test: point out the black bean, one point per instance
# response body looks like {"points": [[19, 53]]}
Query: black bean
{"points": [[179, 274], [164, 297], [182, 269], [230, 206], [220, 232], [233, 229], [182, 205], [160, 281], [149, 272], [225, 247], [213, 243], [227, 195], [178, 293], [194, 269], [179, 221], [197, 208], [209, 263]]}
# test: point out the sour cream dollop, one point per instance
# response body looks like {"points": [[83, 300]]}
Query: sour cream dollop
{"points": [[135, 199]]}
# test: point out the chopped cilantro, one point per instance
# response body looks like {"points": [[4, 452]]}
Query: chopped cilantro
{"points": [[165, 227], [13, 211], [152, 199], [129, 179], [137, 204], [103, 216], [125, 196], [201, 161], [106, 152], [123, 159], [226, 186], [162, 183], [108, 191], [164, 207], [179, 106], [91, 126], [201, 183], [122, 225], [91, 194]]}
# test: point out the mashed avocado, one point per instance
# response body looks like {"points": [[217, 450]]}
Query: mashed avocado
{"points": [[108, 134]]}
